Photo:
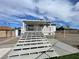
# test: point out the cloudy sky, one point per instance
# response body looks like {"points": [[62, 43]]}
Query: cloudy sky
{"points": [[61, 12]]}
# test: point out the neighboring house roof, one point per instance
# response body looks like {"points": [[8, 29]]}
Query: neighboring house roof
{"points": [[5, 28]]}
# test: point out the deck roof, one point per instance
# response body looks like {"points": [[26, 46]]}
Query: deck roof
{"points": [[36, 22]]}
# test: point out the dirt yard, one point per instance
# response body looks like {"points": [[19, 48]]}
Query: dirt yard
{"points": [[8, 42], [69, 38]]}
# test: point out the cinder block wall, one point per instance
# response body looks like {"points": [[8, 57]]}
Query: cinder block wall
{"points": [[68, 31], [9, 34]]}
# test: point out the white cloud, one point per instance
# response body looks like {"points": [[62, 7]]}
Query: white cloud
{"points": [[49, 8], [58, 8], [75, 13], [77, 6]]}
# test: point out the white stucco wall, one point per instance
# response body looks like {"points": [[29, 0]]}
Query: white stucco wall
{"points": [[52, 29], [23, 28], [49, 30], [16, 32], [45, 30]]}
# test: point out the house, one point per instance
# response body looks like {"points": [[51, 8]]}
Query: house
{"points": [[6, 31], [39, 25]]}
